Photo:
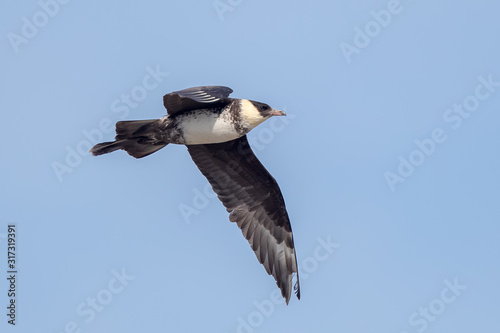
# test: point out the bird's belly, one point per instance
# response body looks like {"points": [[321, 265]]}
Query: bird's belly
{"points": [[207, 128]]}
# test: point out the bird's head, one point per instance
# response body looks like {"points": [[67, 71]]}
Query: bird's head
{"points": [[256, 112]]}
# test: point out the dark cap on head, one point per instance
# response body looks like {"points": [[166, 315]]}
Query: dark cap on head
{"points": [[267, 111]]}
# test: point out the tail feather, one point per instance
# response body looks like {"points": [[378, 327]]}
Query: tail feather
{"points": [[105, 147], [132, 147], [126, 129], [135, 137]]}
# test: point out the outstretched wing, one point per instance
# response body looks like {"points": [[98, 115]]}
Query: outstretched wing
{"points": [[254, 201], [196, 98]]}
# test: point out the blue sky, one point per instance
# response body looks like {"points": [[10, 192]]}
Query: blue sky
{"points": [[388, 163]]}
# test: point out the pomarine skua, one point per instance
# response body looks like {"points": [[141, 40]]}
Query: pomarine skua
{"points": [[213, 127]]}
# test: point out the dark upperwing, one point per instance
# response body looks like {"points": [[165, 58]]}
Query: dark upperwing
{"points": [[196, 98]]}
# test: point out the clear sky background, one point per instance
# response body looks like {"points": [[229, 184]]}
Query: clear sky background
{"points": [[389, 156]]}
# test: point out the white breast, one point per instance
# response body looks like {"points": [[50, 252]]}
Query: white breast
{"points": [[206, 127]]}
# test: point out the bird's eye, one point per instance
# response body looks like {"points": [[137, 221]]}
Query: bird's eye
{"points": [[263, 107]]}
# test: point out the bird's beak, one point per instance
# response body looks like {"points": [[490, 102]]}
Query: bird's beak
{"points": [[278, 113]]}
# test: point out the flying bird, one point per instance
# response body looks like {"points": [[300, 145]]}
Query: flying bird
{"points": [[213, 127]]}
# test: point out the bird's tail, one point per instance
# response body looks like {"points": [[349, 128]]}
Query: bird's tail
{"points": [[136, 137]]}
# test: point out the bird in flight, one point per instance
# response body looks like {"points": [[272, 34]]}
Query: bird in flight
{"points": [[213, 127]]}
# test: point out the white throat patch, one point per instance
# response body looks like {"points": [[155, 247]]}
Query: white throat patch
{"points": [[250, 113]]}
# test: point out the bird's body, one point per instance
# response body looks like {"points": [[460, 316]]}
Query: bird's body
{"points": [[210, 125], [214, 128], [206, 126]]}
